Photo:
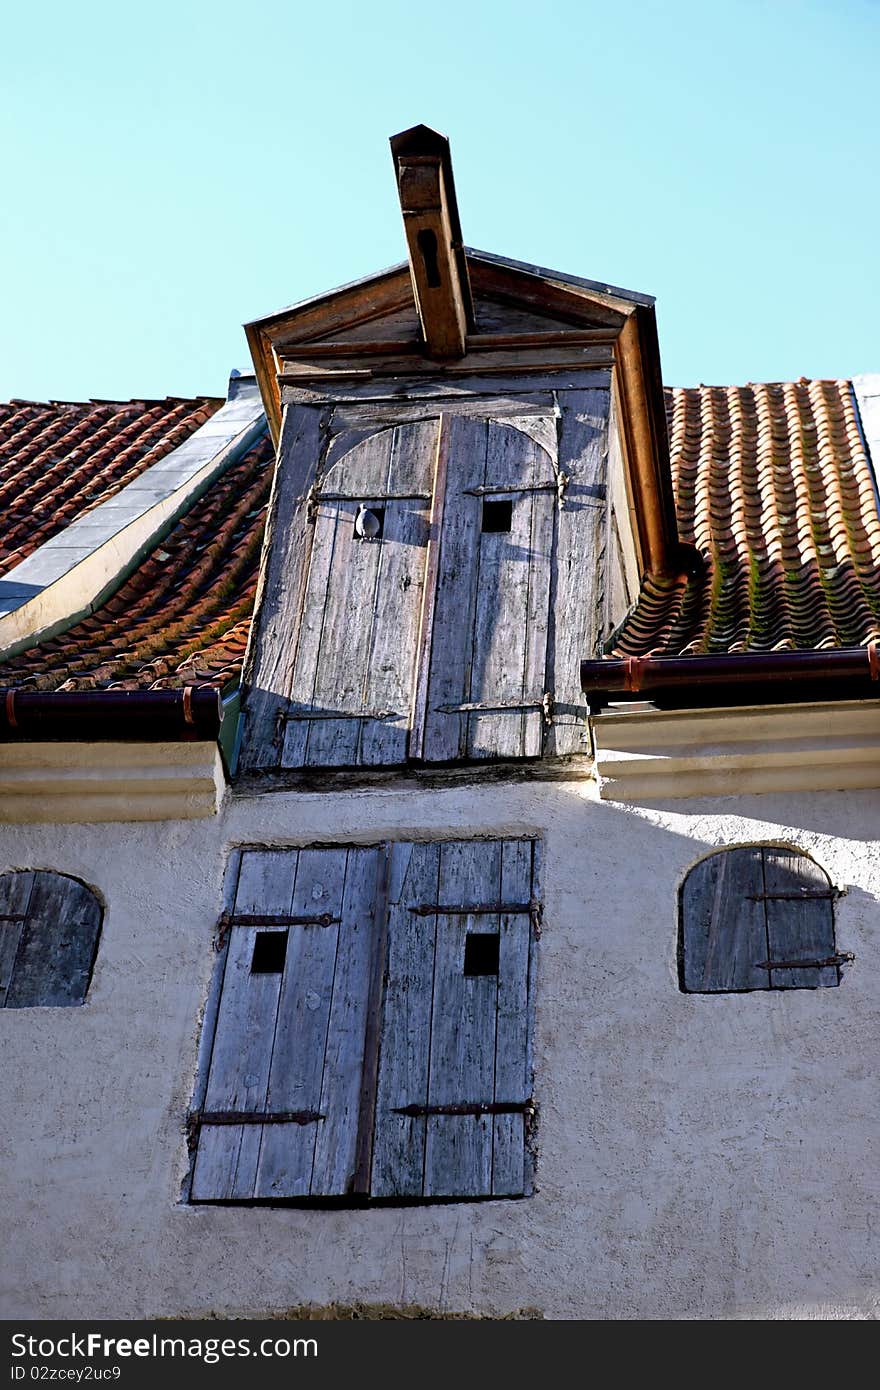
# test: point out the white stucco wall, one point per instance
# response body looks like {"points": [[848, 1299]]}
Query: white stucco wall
{"points": [[699, 1156]]}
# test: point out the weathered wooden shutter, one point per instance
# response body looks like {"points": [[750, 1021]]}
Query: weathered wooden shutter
{"points": [[800, 921], [281, 1109], [351, 685], [49, 928], [458, 632], [757, 917], [487, 656], [454, 1071]]}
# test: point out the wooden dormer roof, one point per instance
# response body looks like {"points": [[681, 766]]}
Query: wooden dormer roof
{"points": [[526, 319]]}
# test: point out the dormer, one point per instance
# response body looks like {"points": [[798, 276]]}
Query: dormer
{"points": [[472, 480]]}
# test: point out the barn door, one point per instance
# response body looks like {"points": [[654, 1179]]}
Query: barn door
{"points": [[453, 1082], [281, 1109], [484, 684], [353, 671]]}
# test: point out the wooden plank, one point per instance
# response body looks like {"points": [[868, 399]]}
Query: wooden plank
{"points": [[512, 1079], [403, 551], [512, 598], [307, 650], [724, 927], [441, 386], [451, 648], [458, 1148], [399, 1140], [53, 964], [368, 415], [285, 565], [15, 892], [238, 1077], [442, 298], [798, 930], [575, 589], [301, 367], [336, 1143], [300, 1036]]}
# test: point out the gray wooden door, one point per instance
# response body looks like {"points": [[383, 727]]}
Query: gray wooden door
{"points": [[352, 676], [454, 1068], [282, 1104], [49, 929]]}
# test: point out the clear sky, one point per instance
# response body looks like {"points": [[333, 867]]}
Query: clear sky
{"points": [[171, 170]]}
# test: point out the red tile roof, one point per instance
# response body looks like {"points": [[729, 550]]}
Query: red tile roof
{"points": [[59, 459], [183, 617], [774, 487], [772, 482]]}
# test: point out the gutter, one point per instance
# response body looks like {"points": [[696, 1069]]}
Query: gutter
{"points": [[742, 678], [191, 715]]}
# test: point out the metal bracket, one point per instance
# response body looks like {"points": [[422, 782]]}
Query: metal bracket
{"points": [[842, 958]]}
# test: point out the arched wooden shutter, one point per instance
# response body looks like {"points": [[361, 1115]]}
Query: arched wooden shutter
{"points": [[757, 917], [354, 666], [49, 928]]}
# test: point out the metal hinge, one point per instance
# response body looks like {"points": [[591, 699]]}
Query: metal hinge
{"points": [[495, 1107], [472, 909], [842, 958]]}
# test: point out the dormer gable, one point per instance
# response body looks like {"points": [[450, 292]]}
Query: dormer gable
{"points": [[471, 481]]}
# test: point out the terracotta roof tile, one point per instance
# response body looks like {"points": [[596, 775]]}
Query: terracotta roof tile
{"points": [[183, 617], [774, 488], [59, 459]]}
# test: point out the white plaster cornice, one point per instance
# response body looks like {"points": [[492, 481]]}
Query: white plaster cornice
{"points": [[647, 755], [82, 783], [76, 570]]}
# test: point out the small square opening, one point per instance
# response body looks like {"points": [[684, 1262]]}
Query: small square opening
{"points": [[369, 523], [270, 952], [481, 951], [497, 514]]}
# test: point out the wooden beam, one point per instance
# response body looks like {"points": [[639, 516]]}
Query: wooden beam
{"points": [[438, 266]]}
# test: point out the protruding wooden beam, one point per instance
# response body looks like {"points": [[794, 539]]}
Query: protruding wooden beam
{"points": [[438, 266]]}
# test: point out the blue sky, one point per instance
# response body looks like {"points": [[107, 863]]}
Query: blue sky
{"points": [[173, 170]]}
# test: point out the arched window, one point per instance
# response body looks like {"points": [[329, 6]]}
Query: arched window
{"points": [[49, 927], [757, 917]]}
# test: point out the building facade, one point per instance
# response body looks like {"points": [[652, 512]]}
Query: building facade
{"points": [[503, 948]]}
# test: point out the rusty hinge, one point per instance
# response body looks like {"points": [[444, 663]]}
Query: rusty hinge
{"points": [[312, 715], [13, 916], [842, 958], [793, 897], [368, 498], [543, 702], [282, 919], [256, 1117], [492, 1107], [485, 490], [472, 909]]}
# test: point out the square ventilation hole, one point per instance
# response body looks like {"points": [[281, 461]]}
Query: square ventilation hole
{"points": [[497, 515], [270, 950], [481, 953]]}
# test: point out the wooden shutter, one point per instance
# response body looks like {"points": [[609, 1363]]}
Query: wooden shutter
{"points": [[454, 1071], [750, 914], [288, 1048], [49, 928], [353, 671], [800, 921], [487, 656]]}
